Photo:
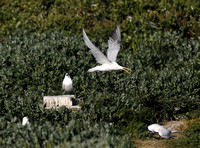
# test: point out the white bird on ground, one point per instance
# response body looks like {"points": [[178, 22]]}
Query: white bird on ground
{"points": [[109, 62], [25, 121], [67, 84], [161, 130]]}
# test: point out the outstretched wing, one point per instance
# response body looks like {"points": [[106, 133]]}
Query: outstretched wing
{"points": [[99, 56], [114, 44]]}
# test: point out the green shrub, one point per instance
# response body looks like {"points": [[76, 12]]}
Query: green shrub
{"points": [[165, 77], [160, 45], [77, 133], [100, 16]]}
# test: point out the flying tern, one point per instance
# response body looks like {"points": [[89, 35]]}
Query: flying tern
{"points": [[108, 62]]}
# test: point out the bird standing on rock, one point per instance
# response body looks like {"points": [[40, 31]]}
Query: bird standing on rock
{"points": [[67, 84]]}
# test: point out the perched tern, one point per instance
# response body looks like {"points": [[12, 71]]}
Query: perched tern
{"points": [[25, 121], [67, 83], [109, 62], [161, 130]]}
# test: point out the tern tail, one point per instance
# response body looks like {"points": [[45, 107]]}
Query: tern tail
{"points": [[175, 131], [92, 69]]}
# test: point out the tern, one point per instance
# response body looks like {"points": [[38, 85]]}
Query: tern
{"points": [[108, 62], [161, 130], [67, 84], [25, 121]]}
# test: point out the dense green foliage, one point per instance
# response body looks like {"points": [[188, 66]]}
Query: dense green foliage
{"points": [[77, 133], [100, 16], [165, 75], [40, 41]]}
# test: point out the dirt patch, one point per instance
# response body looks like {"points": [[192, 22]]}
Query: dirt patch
{"points": [[151, 143], [155, 142], [175, 125]]}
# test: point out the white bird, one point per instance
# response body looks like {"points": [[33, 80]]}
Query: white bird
{"points": [[67, 84], [161, 130], [25, 121], [109, 62]]}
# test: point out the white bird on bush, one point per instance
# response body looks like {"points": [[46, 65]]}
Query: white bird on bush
{"points": [[67, 84], [161, 130], [109, 62], [25, 121]]}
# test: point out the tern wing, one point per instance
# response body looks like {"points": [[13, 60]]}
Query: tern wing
{"points": [[114, 44], [99, 56]]}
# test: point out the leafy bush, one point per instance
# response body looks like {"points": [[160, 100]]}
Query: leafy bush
{"points": [[163, 51], [165, 77], [100, 16], [77, 133]]}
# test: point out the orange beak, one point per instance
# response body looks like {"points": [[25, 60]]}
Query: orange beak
{"points": [[127, 70]]}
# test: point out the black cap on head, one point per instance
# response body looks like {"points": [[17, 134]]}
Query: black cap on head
{"points": [[67, 75]]}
